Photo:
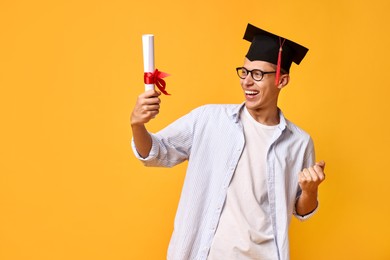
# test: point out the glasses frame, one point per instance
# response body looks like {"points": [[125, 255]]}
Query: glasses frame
{"points": [[250, 72]]}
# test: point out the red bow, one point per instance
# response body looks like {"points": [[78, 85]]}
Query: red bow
{"points": [[156, 77]]}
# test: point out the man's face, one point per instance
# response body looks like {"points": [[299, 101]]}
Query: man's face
{"points": [[262, 94]]}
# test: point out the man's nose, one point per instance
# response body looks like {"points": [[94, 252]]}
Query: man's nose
{"points": [[248, 79]]}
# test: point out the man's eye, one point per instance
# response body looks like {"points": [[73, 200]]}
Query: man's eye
{"points": [[256, 73]]}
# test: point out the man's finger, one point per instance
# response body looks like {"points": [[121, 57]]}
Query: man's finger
{"points": [[313, 174], [306, 174], [318, 170], [321, 164]]}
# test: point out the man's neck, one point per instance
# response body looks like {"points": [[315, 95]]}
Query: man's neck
{"points": [[266, 117]]}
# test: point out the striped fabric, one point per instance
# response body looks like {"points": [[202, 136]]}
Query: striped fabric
{"points": [[211, 139]]}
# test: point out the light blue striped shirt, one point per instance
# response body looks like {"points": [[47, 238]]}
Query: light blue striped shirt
{"points": [[211, 138]]}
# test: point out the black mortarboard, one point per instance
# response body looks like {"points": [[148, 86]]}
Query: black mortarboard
{"points": [[273, 48]]}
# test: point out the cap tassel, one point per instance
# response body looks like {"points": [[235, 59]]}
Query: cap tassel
{"points": [[278, 66]]}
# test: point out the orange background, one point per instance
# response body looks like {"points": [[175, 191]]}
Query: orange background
{"points": [[70, 72]]}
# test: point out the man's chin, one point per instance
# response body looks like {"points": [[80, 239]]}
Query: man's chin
{"points": [[251, 104]]}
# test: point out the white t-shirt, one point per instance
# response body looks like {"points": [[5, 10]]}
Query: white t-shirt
{"points": [[244, 230]]}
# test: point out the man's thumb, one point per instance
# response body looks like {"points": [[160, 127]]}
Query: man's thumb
{"points": [[321, 164]]}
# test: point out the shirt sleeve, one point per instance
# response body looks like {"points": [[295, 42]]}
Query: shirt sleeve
{"points": [[172, 145]]}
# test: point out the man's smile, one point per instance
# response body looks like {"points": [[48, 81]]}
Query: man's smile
{"points": [[251, 93]]}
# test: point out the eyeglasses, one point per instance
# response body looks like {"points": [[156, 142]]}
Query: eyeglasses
{"points": [[256, 74]]}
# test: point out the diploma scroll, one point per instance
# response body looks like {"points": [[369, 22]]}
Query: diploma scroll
{"points": [[148, 52]]}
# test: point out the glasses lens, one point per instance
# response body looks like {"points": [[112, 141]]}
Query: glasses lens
{"points": [[242, 72], [257, 74]]}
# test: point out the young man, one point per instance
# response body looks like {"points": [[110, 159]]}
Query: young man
{"points": [[249, 169]]}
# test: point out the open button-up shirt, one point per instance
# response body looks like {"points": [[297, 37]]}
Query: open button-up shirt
{"points": [[211, 139]]}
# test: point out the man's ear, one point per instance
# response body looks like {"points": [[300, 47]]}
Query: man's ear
{"points": [[284, 79]]}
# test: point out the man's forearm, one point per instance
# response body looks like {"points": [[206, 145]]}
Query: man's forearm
{"points": [[142, 140], [306, 203], [309, 179], [146, 108]]}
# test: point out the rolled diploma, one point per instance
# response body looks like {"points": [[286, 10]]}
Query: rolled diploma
{"points": [[148, 51]]}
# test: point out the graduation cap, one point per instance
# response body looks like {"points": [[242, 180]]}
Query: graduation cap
{"points": [[273, 48]]}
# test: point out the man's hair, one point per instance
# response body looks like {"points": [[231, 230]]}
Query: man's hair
{"points": [[282, 71]]}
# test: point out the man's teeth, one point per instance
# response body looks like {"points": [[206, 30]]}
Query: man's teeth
{"points": [[248, 92]]}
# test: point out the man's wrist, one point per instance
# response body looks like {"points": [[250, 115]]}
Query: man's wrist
{"points": [[135, 123], [309, 194]]}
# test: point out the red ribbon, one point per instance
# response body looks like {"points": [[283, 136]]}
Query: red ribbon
{"points": [[156, 77]]}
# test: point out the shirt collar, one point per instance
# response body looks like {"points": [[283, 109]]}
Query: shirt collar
{"points": [[235, 113], [283, 124]]}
